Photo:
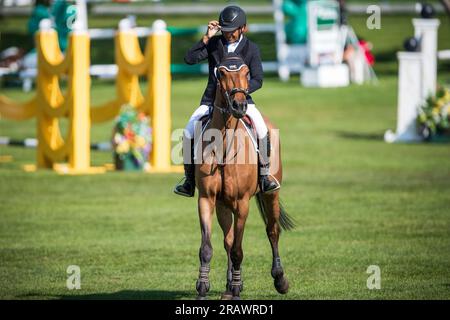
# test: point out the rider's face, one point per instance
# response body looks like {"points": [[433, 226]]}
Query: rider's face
{"points": [[232, 36]]}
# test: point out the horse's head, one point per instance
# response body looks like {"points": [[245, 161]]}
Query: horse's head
{"points": [[232, 76]]}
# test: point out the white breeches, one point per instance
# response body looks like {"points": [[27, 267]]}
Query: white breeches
{"points": [[252, 112]]}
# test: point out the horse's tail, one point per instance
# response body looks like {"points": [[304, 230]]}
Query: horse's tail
{"points": [[286, 221]]}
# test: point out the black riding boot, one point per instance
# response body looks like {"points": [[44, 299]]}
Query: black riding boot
{"points": [[266, 184], [187, 188]]}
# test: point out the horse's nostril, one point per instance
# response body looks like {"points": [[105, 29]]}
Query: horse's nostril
{"points": [[239, 109]]}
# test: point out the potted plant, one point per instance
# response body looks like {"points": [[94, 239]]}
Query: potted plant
{"points": [[433, 119], [132, 139]]}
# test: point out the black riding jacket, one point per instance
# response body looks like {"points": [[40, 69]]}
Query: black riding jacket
{"points": [[214, 50]]}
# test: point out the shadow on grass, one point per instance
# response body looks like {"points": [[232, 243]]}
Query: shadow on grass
{"points": [[436, 142], [120, 295], [134, 295], [361, 136]]}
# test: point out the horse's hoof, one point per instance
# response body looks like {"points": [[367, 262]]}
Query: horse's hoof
{"points": [[236, 298], [202, 288], [281, 284], [202, 298], [227, 295]]}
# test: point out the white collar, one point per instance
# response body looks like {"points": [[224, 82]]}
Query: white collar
{"points": [[235, 44]]}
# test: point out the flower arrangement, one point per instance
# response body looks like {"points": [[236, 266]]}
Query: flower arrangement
{"points": [[433, 118], [132, 139]]}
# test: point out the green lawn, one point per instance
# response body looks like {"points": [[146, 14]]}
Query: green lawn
{"points": [[357, 200]]}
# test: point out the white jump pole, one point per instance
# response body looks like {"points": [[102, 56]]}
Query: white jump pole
{"points": [[426, 31], [81, 22], [409, 98]]}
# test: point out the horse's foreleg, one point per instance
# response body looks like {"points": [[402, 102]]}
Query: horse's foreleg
{"points": [[273, 233], [237, 254], [225, 217], [205, 209]]}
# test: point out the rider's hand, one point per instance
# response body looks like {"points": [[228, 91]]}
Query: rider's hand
{"points": [[213, 28]]}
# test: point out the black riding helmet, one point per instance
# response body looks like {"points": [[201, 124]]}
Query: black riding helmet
{"points": [[231, 18]]}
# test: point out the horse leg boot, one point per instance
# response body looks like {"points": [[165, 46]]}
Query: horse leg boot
{"points": [[187, 188], [266, 184]]}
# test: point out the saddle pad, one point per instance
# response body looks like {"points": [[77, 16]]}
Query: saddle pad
{"points": [[248, 125]]}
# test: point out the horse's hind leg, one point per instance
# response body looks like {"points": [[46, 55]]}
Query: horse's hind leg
{"points": [[273, 230], [225, 218], [205, 209]]}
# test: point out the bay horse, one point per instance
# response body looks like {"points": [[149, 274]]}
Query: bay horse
{"points": [[227, 187]]}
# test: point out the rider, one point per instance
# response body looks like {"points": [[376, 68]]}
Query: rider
{"points": [[233, 23]]}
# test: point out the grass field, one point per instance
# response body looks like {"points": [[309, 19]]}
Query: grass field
{"points": [[357, 200]]}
